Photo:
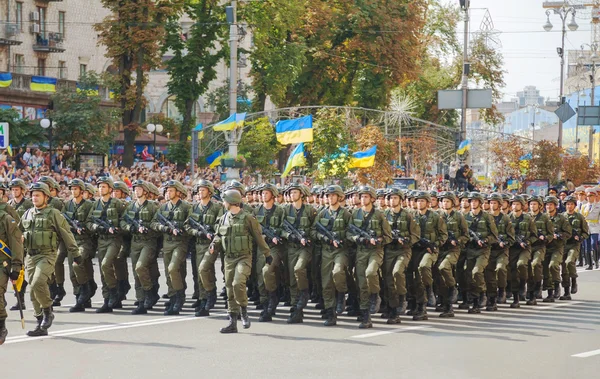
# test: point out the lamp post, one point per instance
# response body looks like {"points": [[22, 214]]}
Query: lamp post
{"points": [[158, 128], [47, 123], [563, 12]]}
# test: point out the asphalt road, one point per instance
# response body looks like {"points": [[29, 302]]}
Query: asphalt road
{"points": [[551, 340]]}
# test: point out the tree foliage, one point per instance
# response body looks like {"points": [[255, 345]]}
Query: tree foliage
{"points": [[22, 132], [579, 169], [546, 161], [382, 172], [259, 145], [219, 99], [505, 154]]}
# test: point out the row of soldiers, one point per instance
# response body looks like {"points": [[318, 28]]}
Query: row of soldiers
{"points": [[386, 243]]}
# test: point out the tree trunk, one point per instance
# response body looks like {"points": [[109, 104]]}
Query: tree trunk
{"points": [[186, 128]]}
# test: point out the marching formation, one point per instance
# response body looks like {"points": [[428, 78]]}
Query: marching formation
{"points": [[359, 251]]}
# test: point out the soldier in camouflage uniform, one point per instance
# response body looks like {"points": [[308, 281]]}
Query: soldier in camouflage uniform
{"points": [[545, 234], [122, 192], [580, 232], [555, 249]]}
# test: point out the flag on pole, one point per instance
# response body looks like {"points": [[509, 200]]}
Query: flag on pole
{"points": [[232, 122], [296, 159], [198, 129], [363, 159], [464, 147], [214, 159], [294, 131]]}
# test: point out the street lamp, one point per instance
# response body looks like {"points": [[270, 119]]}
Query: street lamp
{"points": [[158, 128], [563, 12], [47, 123]]}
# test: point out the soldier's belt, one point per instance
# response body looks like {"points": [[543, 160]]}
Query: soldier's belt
{"points": [[235, 255], [172, 238], [139, 238], [33, 252]]}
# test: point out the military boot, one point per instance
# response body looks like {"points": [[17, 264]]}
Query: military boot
{"points": [[442, 305], [476, 305], [273, 302], [567, 295], [448, 311], [148, 299], [354, 306], [366, 319], [21, 295], [38, 331], [53, 288], [140, 310], [557, 290], [121, 291], [515, 303], [113, 297], [412, 306], [265, 315], [320, 304], [393, 317], [421, 313], [232, 326], [522, 290], [104, 308], [573, 286], [430, 296], [374, 303], [296, 318], [538, 290], [78, 307], [245, 319], [3, 331], [453, 293], [175, 306], [331, 317], [47, 319], [501, 296], [531, 298], [60, 294], [196, 304], [402, 307], [491, 306], [465, 301], [340, 303], [303, 297], [202, 310], [550, 297], [212, 299]]}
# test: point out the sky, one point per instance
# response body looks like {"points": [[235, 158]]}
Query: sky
{"points": [[530, 56]]}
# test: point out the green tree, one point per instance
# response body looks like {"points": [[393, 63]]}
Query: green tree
{"points": [[546, 161], [22, 132], [219, 99], [82, 123], [259, 145], [132, 35], [195, 58]]}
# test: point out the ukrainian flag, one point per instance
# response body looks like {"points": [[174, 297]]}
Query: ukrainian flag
{"points": [[88, 91], [43, 84], [464, 147], [363, 159], [5, 79], [198, 129], [232, 122], [214, 159], [296, 159], [294, 131]]}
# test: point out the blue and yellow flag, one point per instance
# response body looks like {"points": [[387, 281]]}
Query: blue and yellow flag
{"points": [[198, 129], [464, 147], [214, 159], [526, 157], [363, 159], [88, 91], [5, 79], [296, 159], [43, 84], [294, 131], [232, 122]]}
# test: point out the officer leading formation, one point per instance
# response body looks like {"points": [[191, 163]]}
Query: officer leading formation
{"points": [[361, 251]]}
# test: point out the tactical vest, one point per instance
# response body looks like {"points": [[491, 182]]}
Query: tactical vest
{"points": [[337, 224], [56, 203], [108, 212], [140, 212], [500, 224], [268, 217], [521, 225], [21, 207], [39, 233], [452, 223], [204, 216], [235, 239], [292, 216], [575, 222], [400, 223], [481, 228], [427, 223], [374, 224], [540, 223], [76, 212], [177, 215]]}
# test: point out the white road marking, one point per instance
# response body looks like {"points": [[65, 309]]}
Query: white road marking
{"points": [[382, 333], [587, 354]]}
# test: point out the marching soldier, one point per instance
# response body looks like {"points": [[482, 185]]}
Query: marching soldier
{"points": [[458, 236], [545, 235], [496, 271], [136, 220], [103, 219], [236, 231], [169, 220], [205, 212], [483, 233], [332, 233], [555, 249], [405, 233], [580, 232], [370, 231], [43, 227], [122, 192], [11, 262]]}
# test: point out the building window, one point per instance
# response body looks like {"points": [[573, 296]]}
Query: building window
{"points": [[41, 67], [82, 69], [19, 16], [19, 63], [42, 22], [61, 24], [62, 69]]}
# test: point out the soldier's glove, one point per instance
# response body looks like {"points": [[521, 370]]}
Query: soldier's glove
{"points": [[78, 260], [269, 260], [14, 275]]}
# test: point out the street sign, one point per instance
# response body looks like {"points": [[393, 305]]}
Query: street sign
{"points": [[564, 112], [476, 99], [3, 135], [588, 116]]}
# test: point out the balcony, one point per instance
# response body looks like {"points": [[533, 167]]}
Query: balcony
{"points": [[10, 34], [22, 82], [49, 42]]}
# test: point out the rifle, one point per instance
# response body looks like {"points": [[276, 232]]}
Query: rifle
{"points": [[204, 230], [557, 234], [427, 244], [136, 224], [76, 226], [575, 234], [105, 224], [165, 222], [270, 233], [521, 240], [361, 233], [451, 237], [476, 238], [291, 229], [331, 236], [397, 237]]}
